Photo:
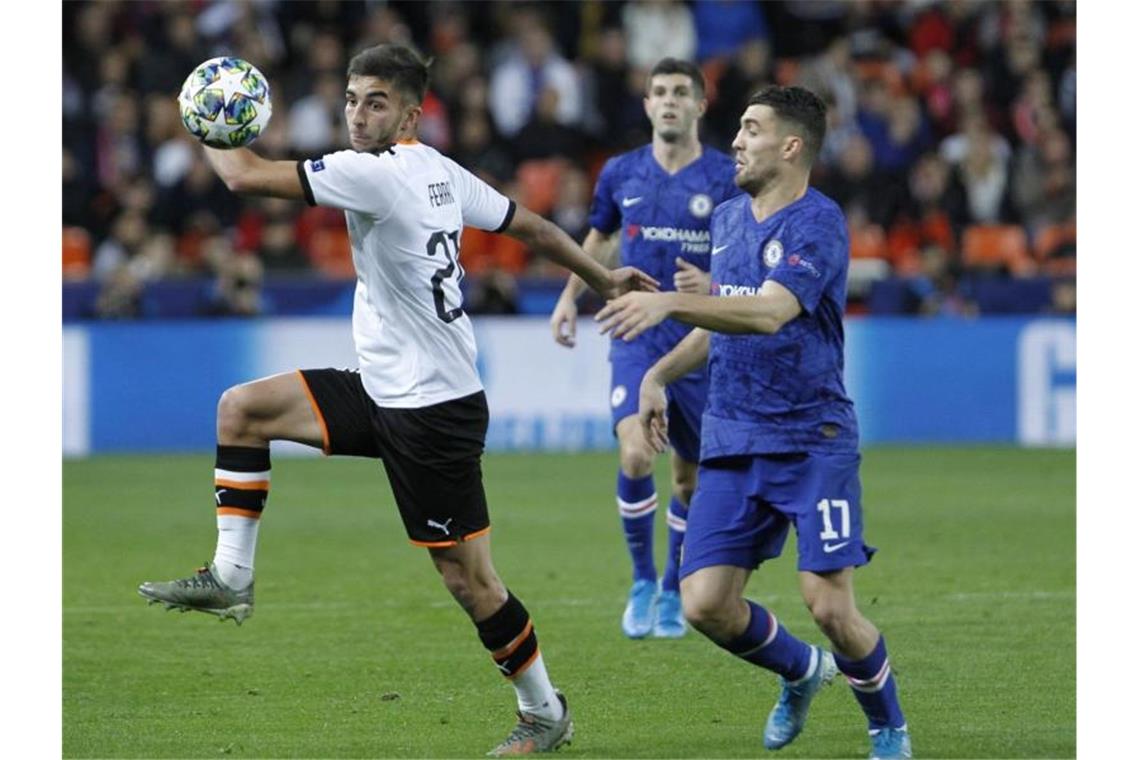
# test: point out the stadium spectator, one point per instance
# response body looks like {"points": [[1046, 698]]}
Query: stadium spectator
{"points": [[983, 173], [748, 69], [656, 29], [543, 136], [865, 195], [615, 115], [531, 65], [315, 120], [1044, 182], [236, 290], [724, 26]]}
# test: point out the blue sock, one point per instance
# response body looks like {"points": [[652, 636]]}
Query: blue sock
{"points": [[874, 687], [678, 515], [768, 644], [637, 503]]}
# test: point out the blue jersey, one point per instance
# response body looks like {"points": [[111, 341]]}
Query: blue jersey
{"points": [[661, 216], [781, 393]]}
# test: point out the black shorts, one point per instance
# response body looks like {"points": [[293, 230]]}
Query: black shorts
{"points": [[431, 454]]}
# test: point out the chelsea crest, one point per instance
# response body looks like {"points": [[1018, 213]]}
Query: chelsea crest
{"points": [[773, 252], [700, 205]]}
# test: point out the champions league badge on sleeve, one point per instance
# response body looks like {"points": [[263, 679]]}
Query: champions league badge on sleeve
{"points": [[773, 252]]}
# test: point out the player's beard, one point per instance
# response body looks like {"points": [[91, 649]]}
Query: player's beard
{"points": [[759, 181]]}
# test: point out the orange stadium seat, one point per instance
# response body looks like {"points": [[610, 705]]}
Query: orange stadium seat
{"points": [[1050, 238], [989, 246], [76, 253], [539, 180], [867, 242], [331, 253]]}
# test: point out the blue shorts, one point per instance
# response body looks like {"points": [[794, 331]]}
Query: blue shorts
{"points": [[743, 506], [686, 402]]}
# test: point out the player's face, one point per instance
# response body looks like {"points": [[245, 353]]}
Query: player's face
{"points": [[673, 106], [759, 149], [374, 112]]}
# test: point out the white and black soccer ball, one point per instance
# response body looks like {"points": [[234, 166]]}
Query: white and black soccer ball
{"points": [[225, 102]]}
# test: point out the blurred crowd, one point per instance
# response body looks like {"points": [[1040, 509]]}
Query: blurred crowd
{"points": [[950, 140]]}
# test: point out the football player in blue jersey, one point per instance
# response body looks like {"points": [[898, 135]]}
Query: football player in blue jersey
{"points": [[653, 205], [779, 440]]}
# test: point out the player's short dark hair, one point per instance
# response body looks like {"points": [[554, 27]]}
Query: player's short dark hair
{"points": [[399, 65], [678, 66], [802, 108]]}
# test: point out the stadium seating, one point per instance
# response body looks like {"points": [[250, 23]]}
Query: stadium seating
{"points": [[76, 253], [331, 252], [539, 180], [867, 242], [997, 246]]}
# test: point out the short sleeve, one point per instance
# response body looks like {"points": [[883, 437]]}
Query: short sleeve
{"points": [[482, 206], [813, 259], [363, 182], [605, 216]]}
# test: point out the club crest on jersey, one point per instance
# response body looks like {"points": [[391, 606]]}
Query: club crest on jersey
{"points": [[773, 252], [700, 205], [617, 396]]}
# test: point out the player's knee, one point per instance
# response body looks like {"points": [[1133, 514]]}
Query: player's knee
{"points": [[832, 616], [233, 413], [704, 612], [636, 461]]}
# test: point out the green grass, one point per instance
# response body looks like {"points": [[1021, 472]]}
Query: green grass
{"points": [[356, 649]]}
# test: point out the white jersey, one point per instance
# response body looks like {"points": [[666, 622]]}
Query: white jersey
{"points": [[406, 207]]}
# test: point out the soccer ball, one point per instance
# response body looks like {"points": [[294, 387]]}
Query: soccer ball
{"points": [[225, 103]]}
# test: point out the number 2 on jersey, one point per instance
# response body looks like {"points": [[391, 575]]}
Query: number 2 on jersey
{"points": [[451, 253]]}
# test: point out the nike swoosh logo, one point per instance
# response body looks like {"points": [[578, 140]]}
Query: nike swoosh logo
{"points": [[829, 548], [627, 202], [717, 249]]}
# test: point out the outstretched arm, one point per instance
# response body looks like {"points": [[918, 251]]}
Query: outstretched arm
{"points": [[547, 239], [686, 356], [247, 173], [634, 313]]}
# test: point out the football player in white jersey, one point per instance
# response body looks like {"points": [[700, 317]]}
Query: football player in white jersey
{"points": [[416, 402]]}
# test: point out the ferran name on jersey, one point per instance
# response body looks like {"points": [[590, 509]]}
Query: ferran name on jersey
{"points": [[773, 252], [700, 205], [439, 193]]}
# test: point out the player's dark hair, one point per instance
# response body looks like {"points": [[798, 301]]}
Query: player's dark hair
{"points": [[399, 65], [678, 66], [801, 107]]}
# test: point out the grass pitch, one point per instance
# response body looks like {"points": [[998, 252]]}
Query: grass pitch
{"points": [[356, 649]]}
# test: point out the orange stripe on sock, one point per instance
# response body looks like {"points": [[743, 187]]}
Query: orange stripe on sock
{"points": [[238, 512], [252, 485], [523, 668], [515, 643], [317, 412]]}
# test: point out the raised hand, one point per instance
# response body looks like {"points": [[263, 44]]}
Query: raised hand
{"points": [[690, 278]]}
